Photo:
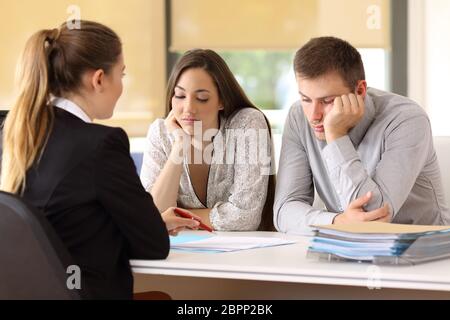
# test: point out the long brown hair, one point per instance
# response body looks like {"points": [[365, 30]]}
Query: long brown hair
{"points": [[233, 99], [52, 63]]}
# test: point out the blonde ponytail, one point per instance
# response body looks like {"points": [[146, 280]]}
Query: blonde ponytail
{"points": [[52, 63], [28, 123]]}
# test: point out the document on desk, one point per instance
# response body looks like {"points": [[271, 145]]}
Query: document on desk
{"points": [[379, 230], [381, 242], [213, 243]]}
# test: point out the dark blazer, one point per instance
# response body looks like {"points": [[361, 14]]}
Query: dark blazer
{"points": [[86, 185]]}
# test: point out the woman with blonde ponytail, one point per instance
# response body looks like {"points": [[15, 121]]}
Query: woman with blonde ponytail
{"points": [[80, 174]]}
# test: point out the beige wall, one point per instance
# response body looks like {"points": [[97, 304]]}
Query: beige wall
{"points": [[140, 24], [230, 24], [436, 48], [278, 24]]}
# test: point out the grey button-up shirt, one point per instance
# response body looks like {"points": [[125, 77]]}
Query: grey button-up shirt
{"points": [[390, 153]]}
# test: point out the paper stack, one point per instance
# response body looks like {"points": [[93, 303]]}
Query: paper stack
{"points": [[381, 242], [213, 244]]}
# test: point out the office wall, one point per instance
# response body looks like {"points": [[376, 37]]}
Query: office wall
{"points": [[141, 25], [277, 24], [233, 24], [429, 66], [437, 62]]}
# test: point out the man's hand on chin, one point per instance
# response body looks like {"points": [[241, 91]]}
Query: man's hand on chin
{"points": [[347, 111]]}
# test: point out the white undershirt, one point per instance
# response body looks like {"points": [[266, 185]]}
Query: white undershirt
{"points": [[71, 107]]}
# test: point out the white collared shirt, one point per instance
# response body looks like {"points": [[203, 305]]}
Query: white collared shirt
{"points": [[71, 107]]}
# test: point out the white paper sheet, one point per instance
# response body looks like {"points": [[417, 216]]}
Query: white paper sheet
{"points": [[227, 244]]}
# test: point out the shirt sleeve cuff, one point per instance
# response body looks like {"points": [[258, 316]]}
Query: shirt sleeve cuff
{"points": [[325, 218], [289, 221], [339, 152]]}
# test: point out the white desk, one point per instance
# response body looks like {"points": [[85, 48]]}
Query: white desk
{"points": [[284, 272]]}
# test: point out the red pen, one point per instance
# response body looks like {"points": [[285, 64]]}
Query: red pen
{"points": [[187, 215]]}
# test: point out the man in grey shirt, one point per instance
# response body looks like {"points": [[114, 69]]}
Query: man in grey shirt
{"points": [[368, 153]]}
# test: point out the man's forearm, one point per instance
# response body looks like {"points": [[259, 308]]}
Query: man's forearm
{"points": [[348, 175]]}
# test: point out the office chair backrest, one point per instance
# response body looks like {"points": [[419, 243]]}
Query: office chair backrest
{"points": [[3, 114], [33, 260], [137, 158]]}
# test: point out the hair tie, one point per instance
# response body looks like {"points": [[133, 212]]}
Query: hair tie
{"points": [[53, 36]]}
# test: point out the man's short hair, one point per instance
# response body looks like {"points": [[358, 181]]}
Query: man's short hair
{"points": [[327, 54]]}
